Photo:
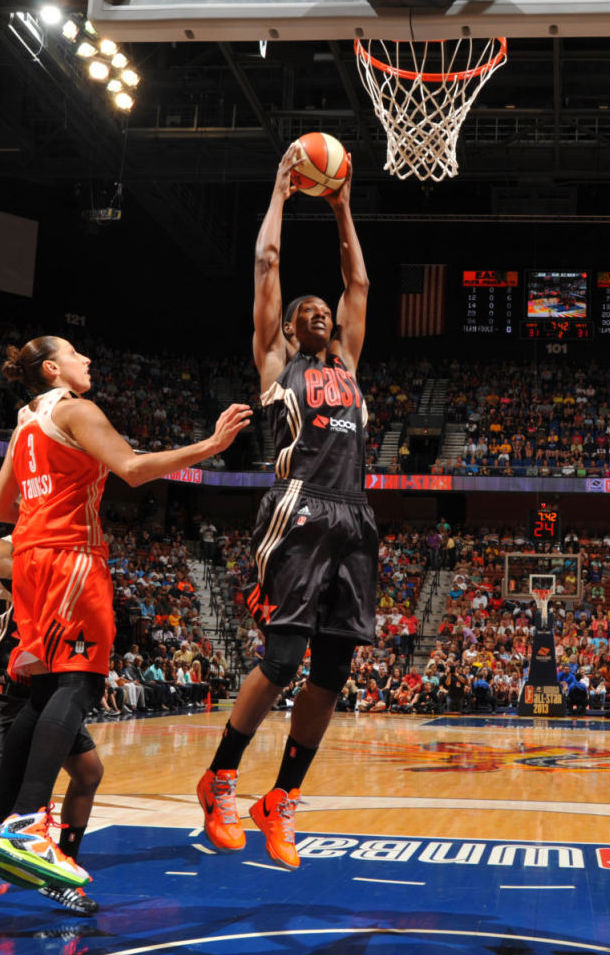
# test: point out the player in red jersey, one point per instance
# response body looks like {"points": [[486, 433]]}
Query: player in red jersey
{"points": [[51, 483]]}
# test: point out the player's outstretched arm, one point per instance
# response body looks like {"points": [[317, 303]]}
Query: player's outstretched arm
{"points": [[90, 427], [269, 345], [351, 311]]}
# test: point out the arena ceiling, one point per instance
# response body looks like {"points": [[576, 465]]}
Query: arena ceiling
{"points": [[213, 117]]}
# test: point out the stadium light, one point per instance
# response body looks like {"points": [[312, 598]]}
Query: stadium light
{"points": [[98, 70], [130, 78], [70, 30], [50, 14], [119, 61], [114, 86], [108, 47], [89, 28], [124, 101], [86, 49]]}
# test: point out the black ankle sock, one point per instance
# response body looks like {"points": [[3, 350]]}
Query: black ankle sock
{"points": [[231, 749], [70, 840], [295, 763]]}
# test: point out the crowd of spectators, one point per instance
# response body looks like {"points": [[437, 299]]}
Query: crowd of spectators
{"points": [[482, 649], [520, 418], [530, 419], [164, 658], [154, 401], [481, 652]]}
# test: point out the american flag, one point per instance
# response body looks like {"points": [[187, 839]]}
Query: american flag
{"points": [[422, 300]]}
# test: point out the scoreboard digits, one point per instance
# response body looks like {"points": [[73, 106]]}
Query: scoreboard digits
{"points": [[545, 524], [492, 301]]}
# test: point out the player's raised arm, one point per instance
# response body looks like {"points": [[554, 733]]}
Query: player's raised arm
{"points": [[90, 427], [351, 311], [269, 345]]}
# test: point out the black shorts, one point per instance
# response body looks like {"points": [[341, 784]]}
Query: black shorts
{"points": [[10, 704], [316, 550]]}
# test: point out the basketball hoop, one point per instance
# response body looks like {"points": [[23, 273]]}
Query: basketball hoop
{"points": [[422, 109]]}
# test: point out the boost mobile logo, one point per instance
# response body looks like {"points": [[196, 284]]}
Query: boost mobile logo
{"points": [[339, 425]]}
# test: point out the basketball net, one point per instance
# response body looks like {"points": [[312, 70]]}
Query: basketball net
{"points": [[542, 598], [422, 112]]}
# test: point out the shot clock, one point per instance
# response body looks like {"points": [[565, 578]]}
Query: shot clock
{"points": [[545, 524]]}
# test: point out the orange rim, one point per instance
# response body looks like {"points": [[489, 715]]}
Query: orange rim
{"points": [[433, 77]]}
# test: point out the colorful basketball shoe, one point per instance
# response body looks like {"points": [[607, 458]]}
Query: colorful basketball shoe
{"points": [[17, 876], [73, 899], [25, 843], [216, 793], [274, 814]]}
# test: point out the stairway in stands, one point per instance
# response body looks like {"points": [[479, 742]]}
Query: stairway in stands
{"points": [[389, 445], [453, 443], [207, 616], [434, 393], [434, 594]]}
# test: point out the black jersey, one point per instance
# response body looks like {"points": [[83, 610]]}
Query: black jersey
{"points": [[318, 418]]}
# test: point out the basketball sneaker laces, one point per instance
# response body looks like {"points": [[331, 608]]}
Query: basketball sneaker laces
{"points": [[224, 794], [286, 810], [43, 828]]}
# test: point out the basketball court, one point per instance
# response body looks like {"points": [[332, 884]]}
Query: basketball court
{"points": [[430, 836], [439, 835]]}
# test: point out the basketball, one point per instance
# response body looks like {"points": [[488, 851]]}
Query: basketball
{"points": [[324, 165]]}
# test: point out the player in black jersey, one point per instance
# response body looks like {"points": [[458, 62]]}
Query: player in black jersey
{"points": [[315, 540]]}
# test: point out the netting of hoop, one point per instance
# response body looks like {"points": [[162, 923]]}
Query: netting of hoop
{"points": [[422, 110]]}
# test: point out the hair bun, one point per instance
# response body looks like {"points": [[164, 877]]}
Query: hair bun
{"points": [[13, 366]]}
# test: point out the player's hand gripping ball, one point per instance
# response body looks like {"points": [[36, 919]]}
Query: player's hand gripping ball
{"points": [[324, 166]]}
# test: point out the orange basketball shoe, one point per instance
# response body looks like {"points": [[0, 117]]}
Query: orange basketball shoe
{"points": [[26, 849], [274, 815], [216, 793]]}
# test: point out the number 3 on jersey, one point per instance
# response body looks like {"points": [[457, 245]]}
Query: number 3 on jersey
{"points": [[32, 456]]}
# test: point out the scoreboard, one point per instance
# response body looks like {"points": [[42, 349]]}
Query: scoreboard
{"points": [[557, 307], [540, 306], [601, 302], [492, 302]]}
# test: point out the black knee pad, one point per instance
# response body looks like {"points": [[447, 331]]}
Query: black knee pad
{"points": [[283, 653], [85, 689], [331, 661]]}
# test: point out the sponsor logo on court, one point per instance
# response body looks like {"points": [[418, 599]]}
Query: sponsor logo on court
{"points": [[478, 758], [519, 855], [603, 857]]}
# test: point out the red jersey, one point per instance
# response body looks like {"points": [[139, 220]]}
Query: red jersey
{"points": [[61, 484]]}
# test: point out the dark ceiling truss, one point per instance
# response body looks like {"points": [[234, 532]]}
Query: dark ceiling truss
{"points": [[218, 114], [65, 130]]}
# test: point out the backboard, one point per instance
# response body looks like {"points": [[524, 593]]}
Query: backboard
{"points": [[239, 20], [524, 573]]}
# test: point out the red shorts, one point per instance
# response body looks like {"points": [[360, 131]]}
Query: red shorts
{"points": [[63, 611]]}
